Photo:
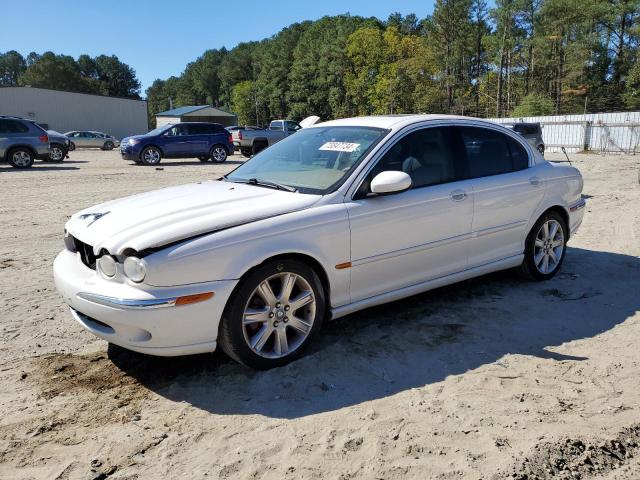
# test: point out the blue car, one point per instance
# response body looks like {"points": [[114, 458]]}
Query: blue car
{"points": [[205, 141]]}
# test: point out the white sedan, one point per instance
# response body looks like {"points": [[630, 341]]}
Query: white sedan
{"points": [[339, 217]]}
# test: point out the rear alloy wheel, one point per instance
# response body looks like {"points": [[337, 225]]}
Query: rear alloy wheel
{"points": [[56, 153], [275, 312], [20, 158], [151, 156], [218, 153], [246, 152], [108, 145], [72, 146], [545, 247], [258, 147]]}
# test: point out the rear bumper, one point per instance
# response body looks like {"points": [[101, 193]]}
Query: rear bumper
{"points": [[145, 321]]}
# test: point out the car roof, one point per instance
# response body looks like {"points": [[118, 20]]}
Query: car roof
{"points": [[395, 121], [14, 117]]}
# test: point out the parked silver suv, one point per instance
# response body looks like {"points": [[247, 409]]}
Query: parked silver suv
{"points": [[22, 141], [532, 132]]}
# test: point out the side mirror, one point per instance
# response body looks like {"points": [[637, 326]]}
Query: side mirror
{"points": [[390, 182]]}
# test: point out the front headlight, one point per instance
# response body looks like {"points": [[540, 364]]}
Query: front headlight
{"points": [[133, 141], [107, 265], [135, 269]]}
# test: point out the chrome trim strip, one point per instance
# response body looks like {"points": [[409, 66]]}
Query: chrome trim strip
{"points": [[409, 250], [500, 228], [127, 303], [438, 243], [581, 204], [404, 292]]}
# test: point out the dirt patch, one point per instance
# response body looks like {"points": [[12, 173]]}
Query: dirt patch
{"points": [[94, 374], [574, 458]]}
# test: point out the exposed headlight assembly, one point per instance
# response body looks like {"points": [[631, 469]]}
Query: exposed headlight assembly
{"points": [[107, 265], [135, 269]]}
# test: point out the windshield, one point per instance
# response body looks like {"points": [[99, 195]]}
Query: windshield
{"points": [[313, 160], [159, 130]]}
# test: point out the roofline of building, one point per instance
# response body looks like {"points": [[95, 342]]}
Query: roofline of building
{"points": [[200, 107], [77, 93]]}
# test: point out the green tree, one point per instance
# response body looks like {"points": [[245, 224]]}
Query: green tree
{"points": [[534, 104], [58, 72], [116, 78], [320, 62], [12, 66], [243, 103]]}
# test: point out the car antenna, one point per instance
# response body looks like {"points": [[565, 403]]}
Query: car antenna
{"points": [[564, 150]]}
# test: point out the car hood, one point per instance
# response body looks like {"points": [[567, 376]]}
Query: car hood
{"points": [[126, 139], [165, 216]]}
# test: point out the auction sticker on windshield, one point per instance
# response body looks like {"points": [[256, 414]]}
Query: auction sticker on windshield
{"points": [[340, 146]]}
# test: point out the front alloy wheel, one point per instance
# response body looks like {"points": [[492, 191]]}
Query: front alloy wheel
{"points": [[273, 315], [56, 154], [546, 246], [151, 156]]}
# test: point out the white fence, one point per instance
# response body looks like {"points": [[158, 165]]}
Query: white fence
{"points": [[599, 132]]}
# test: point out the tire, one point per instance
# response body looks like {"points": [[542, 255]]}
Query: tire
{"points": [[57, 153], [72, 146], [218, 154], [20, 157], [257, 147], [268, 328], [151, 156], [539, 242], [541, 149], [108, 146], [246, 152]]}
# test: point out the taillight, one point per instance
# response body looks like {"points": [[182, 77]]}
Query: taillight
{"points": [[239, 134], [230, 138], [44, 138]]}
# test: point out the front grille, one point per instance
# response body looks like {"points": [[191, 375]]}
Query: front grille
{"points": [[86, 253]]}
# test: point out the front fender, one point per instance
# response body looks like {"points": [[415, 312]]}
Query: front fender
{"points": [[320, 232]]}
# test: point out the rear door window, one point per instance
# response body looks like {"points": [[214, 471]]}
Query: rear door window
{"points": [[12, 126], [202, 129], [490, 152]]}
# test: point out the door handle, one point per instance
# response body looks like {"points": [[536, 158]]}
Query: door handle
{"points": [[535, 181], [458, 195]]}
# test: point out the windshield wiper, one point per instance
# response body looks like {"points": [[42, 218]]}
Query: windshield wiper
{"points": [[265, 183]]}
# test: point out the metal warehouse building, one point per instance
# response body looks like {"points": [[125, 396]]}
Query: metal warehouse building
{"points": [[197, 113], [64, 111]]}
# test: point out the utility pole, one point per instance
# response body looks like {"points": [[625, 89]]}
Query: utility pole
{"points": [[256, 98], [586, 98]]}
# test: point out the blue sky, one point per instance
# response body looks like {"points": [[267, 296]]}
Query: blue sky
{"points": [[158, 38]]}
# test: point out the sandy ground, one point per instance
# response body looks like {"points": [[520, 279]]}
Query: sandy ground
{"points": [[493, 378]]}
